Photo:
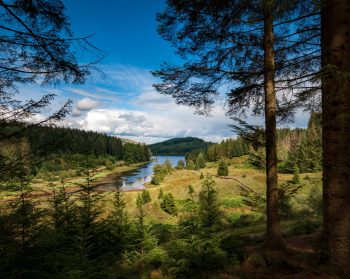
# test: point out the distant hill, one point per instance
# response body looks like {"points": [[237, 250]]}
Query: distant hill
{"points": [[179, 146]]}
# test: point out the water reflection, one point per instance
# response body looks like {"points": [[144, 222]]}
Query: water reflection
{"points": [[135, 180]]}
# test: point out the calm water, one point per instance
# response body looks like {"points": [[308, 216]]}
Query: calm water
{"points": [[136, 179]]}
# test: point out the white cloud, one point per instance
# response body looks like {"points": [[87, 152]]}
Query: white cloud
{"points": [[126, 104], [155, 125], [86, 104], [98, 93]]}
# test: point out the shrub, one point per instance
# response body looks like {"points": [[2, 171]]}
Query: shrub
{"points": [[109, 165], [238, 220], [167, 167], [196, 258], [200, 163], [223, 168], [146, 196], [296, 177], [190, 165], [160, 194], [180, 165], [168, 204], [160, 171]]}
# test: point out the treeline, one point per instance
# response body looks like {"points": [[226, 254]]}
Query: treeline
{"points": [[46, 149], [298, 147], [228, 148], [74, 141]]}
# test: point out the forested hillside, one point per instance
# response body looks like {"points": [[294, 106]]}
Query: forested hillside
{"points": [[301, 148], [57, 148], [179, 146]]}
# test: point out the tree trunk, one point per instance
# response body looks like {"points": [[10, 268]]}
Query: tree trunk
{"points": [[274, 239], [336, 132]]}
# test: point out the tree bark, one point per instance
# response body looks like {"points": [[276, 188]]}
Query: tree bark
{"points": [[274, 239], [336, 132]]}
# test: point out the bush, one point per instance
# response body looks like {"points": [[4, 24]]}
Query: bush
{"points": [[160, 171], [160, 194], [180, 165], [238, 220], [196, 258], [223, 168], [190, 165], [200, 163], [232, 202], [157, 178], [306, 226], [315, 198], [146, 196], [168, 204], [109, 165], [234, 247]]}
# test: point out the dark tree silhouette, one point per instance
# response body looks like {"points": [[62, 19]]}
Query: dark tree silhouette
{"points": [[336, 135]]}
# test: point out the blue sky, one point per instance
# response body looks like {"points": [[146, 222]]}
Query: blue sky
{"points": [[122, 101]]}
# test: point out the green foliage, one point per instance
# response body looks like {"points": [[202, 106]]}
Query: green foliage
{"points": [[195, 257], [296, 176], [160, 171], [200, 162], [180, 165], [179, 146], [315, 198], [133, 153], [254, 201], [232, 202], [66, 150], [239, 220], [223, 168], [168, 167], [227, 149], [209, 206], [146, 196], [286, 192], [307, 155], [160, 194], [190, 165], [257, 159], [168, 204]]}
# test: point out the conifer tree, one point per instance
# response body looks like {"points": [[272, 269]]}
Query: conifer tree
{"points": [[223, 168], [200, 162], [209, 208], [146, 196], [168, 204], [180, 165], [335, 131], [190, 165]]}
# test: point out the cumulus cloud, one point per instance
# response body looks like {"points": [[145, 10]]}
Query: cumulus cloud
{"points": [[126, 104], [84, 105], [156, 125]]}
